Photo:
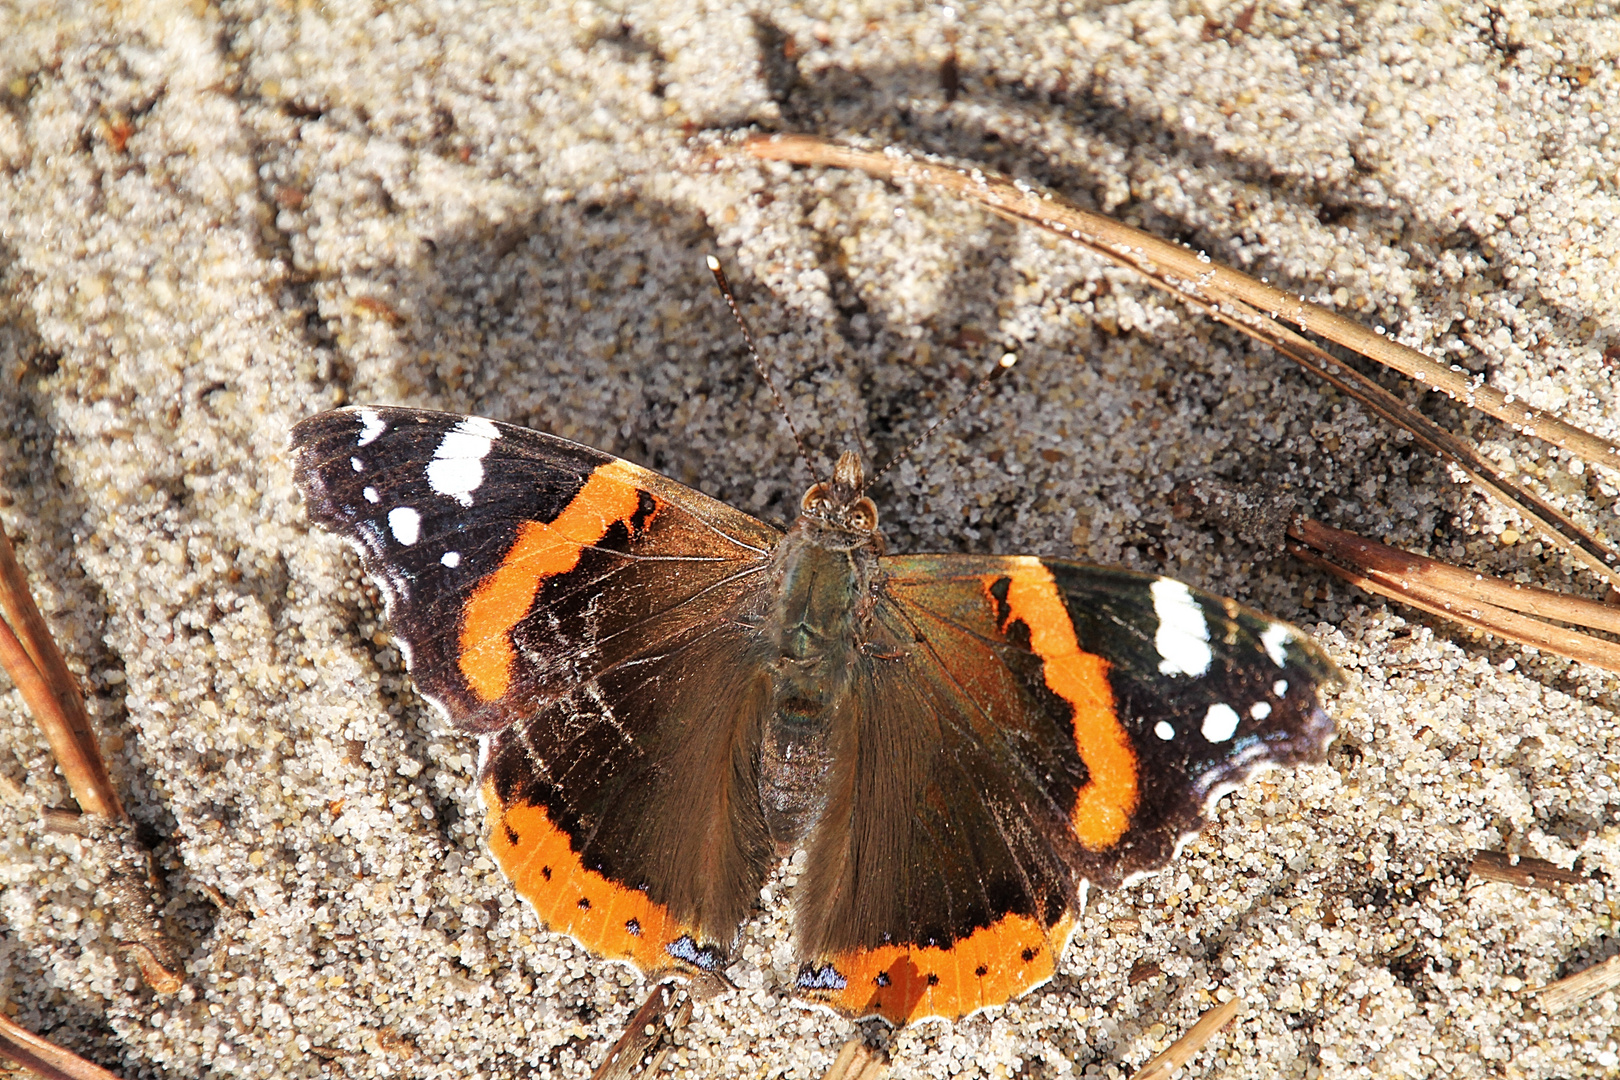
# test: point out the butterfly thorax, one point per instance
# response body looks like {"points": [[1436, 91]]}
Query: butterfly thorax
{"points": [[825, 567]]}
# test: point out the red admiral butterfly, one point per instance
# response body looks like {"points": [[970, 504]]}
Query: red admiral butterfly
{"points": [[671, 694]]}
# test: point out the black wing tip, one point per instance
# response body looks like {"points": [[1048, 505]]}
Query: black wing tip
{"points": [[1306, 653], [311, 441], [1302, 740], [324, 445], [311, 428]]}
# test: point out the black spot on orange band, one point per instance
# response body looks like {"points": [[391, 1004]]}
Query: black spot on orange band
{"points": [[903, 983], [610, 919]]}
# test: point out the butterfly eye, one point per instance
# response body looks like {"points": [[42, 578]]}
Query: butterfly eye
{"points": [[863, 516], [815, 500]]}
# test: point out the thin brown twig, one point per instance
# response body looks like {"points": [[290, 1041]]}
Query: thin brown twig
{"points": [[646, 1041], [1431, 436], [1143, 249], [650, 1034], [858, 1061], [1465, 585], [43, 1057], [37, 668], [1524, 871], [1182, 1050], [30, 656], [1420, 582], [1253, 307], [1582, 986]]}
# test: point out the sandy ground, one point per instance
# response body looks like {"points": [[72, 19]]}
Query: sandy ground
{"points": [[218, 219]]}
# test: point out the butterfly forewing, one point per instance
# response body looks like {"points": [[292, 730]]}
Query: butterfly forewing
{"points": [[517, 564]]}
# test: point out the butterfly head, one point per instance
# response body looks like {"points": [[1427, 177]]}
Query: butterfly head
{"points": [[839, 502]]}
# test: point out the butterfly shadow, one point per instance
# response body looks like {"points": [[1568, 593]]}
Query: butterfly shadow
{"points": [[1349, 192]]}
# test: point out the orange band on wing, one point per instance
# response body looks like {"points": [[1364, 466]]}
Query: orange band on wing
{"points": [[1103, 807], [609, 919], [903, 983], [542, 550]]}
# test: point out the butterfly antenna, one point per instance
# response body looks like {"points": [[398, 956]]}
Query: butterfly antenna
{"points": [[753, 354], [1002, 366]]}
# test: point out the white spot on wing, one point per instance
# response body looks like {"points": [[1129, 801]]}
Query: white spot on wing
{"points": [[1276, 639], [356, 464], [370, 493], [405, 523], [1183, 635], [452, 559], [1260, 710], [371, 426], [1220, 723], [1280, 688], [457, 468], [1164, 731]]}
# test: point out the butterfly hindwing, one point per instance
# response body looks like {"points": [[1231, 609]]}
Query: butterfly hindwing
{"points": [[628, 811], [1021, 729]]}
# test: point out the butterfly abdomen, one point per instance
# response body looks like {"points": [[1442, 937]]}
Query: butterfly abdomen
{"points": [[822, 572]]}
